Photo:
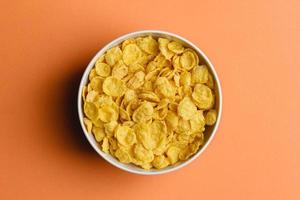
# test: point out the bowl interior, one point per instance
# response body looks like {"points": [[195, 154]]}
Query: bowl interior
{"points": [[209, 132]]}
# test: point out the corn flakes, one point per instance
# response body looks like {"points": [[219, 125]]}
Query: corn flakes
{"points": [[92, 74], [143, 113], [120, 70], [186, 108], [88, 124], [173, 154], [200, 74], [136, 81], [210, 117], [105, 145], [102, 69], [176, 47], [188, 59], [203, 96], [113, 55], [164, 88], [109, 112], [114, 87], [91, 111], [96, 84], [160, 162], [210, 81], [148, 102], [92, 96], [143, 155], [171, 120], [123, 155], [163, 47], [125, 135], [185, 78], [132, 54], [98, 133], [149, 45]]}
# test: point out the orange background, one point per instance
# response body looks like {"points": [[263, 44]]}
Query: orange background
{"points": [[46, 45]]}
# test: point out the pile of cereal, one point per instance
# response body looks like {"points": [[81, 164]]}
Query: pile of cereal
{"points": [[148, 101]]}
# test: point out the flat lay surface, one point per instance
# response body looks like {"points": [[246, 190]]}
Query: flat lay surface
{"points": [[45, 47]]}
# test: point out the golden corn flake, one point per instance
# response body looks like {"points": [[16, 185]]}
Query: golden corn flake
{"points": [[123, 155], [164, 88], [176, 63], [184, 126], [191, 149], [98, 133], [98, 123], [210, 81], [143, 113], [120, 70], [92, 74], [211, 117], [203, 96], [92, 96], [105, 145], [176, 78], [91, 110], [110, 127], [135, 67], [102, 69], [149, 45], [161, 61], [158, 127], [113, 143], [173, 154], [143, 155], [148, 101], [84, 92], [136, 81], [160, 162], [125, 135], [176, 47], [144, 135], [171, 120], [189, 59], [127, 42], [114, 87], [113, 55], [102, 99], [129, 95], [149, 96], [185, 78], [186, 108], [88, 124], [200, 74], [96, 84], [163, 47], [162, 145], [109, 112], [132, 54], [158, 130], [197, 122]]}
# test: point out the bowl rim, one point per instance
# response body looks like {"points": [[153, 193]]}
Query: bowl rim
{"points": [[117, 41]]}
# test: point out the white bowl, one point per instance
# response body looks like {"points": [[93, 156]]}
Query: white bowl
{"points": [[209, 132]]}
